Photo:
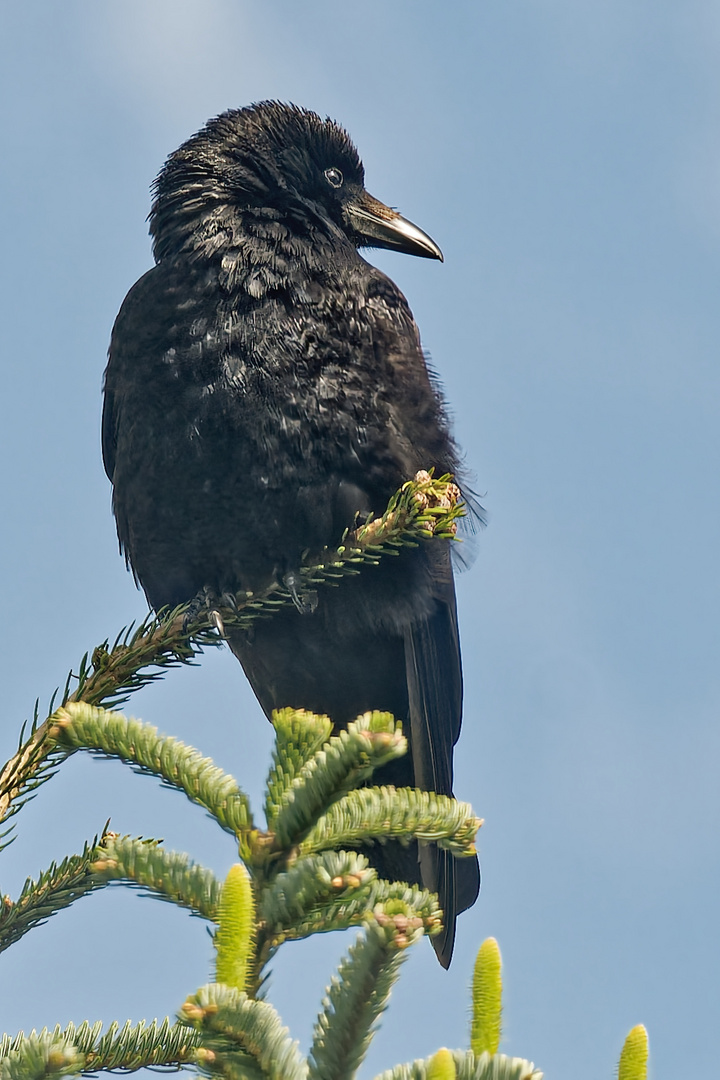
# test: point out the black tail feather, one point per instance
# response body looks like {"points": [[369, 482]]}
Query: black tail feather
{"points": [[434, 679]]}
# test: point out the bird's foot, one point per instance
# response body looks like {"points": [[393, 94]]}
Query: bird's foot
{"points": [[305, 601], [207, 601], [229, 600]]}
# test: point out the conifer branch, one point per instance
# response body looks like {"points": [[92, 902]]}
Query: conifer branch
{"points": [[298, 735], [85, 727], [167, 875], [405, 909], [88, 1051], [337, 890], [356, 998], [385, 813], [228, 1019], [329, 879], [230, 1064], [35, 761], [130, 1048], [106, 676], [341, 764], [84, 1033], [468, 1066], [422, 509], [40, 1056], [55, 889]]}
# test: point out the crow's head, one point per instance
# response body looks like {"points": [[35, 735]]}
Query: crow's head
{"points": [[279, 162]]}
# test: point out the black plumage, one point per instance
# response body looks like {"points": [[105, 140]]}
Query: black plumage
{"points": [[265, 386]]}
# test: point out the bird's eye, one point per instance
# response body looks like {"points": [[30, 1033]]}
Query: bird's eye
{"points": [[334, 177]]}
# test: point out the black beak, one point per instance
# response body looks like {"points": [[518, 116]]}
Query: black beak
{"points": [[376, 225]]}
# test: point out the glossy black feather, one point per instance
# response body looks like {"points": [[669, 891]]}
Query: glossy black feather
{"points": [[265, 385]]}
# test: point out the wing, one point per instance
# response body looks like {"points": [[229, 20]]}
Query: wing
{"points": [[109, 432], [434, 682], [127, 344]]}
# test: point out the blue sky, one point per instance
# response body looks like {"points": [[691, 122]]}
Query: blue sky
{"points": [[565, 154]]}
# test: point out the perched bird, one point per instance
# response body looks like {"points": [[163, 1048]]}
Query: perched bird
{"points": [[265, 386]]}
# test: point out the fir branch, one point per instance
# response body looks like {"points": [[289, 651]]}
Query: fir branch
{"points": [[85, 727], [231, 1064], [139, 656], [128, 1048], [468, 1066], [497, 1067], [357, 996], [401, 908], [311, 883], [336, 890], [394, 813], [167, 875], [341, 764], [107, 676], [35, 761], [55, 889], [423, 508], [318, 893], [40, 1056], [405, 909], [298, 735], [227, 1018], [412, 1070], [75, 1035]]}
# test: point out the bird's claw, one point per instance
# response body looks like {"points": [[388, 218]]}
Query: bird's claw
{"points": [[306, 601], [207, 601]]}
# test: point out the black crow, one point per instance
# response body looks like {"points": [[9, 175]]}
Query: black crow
{"points": [[266, 386]]}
